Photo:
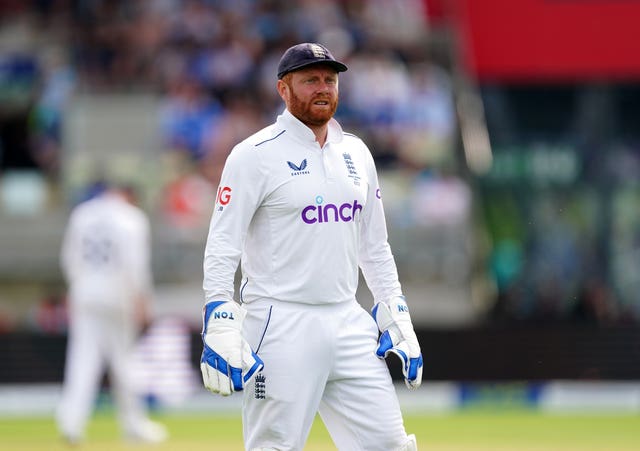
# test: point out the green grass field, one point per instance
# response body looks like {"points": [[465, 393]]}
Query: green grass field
{"points": [[460, 431]]}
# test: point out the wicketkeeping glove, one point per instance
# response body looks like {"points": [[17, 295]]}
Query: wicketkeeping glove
{"points": [[397, 336], [227, 363]]}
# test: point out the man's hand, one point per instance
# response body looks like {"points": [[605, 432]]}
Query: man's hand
{"points": [[227, 361], [397, 336]]}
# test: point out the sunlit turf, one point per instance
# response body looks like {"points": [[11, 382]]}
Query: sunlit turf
{"points": [[461, 430]]}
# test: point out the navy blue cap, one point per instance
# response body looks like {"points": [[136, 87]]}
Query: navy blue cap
{"points": [[303, 55]]}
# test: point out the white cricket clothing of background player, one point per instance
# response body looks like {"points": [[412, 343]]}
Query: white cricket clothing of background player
{"points": [[302, 217], [105, 259]]}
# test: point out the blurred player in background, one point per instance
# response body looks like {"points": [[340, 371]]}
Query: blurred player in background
{"points": [[299, 206], [106, 262]]}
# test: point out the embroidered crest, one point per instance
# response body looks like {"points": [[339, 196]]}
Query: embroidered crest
{"points": [[351, 168], [318, 51], [260, 386]]}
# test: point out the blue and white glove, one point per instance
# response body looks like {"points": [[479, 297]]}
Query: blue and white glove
{"points": [[397, 336], [227, 363]]}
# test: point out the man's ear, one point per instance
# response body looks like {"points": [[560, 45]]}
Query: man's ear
{"points": [[283, 90]]}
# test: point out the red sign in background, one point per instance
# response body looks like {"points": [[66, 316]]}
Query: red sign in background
{"points": [[511, 40]]}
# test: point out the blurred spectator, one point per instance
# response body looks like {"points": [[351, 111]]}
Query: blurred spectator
{"points": [[50, 315], [440, 200], [425, 125], [595, 304], [240, 117], [7, 322], [187, 201], [364, 96], [58, 81], [554, 261], [383, 16], [311, 18], [19, 72], [187, 116]]}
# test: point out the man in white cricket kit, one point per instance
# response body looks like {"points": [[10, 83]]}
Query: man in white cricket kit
{"points": [[106, 262], [299, 207]]}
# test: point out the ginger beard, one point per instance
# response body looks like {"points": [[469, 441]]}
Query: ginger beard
{"points": [[309, 113]]}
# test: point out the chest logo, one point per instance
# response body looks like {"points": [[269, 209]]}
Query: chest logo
{"points": [[351, 169], [298, 169], [323, 213]]}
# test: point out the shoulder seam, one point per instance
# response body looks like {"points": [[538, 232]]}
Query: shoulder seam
{"points": [[351, 135], [270, 139]]}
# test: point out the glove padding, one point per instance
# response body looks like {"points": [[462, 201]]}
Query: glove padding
{"points": [[227, 363], [397, 336]]}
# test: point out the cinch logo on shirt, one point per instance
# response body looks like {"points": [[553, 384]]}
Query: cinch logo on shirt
{"points": [[319, 213]]}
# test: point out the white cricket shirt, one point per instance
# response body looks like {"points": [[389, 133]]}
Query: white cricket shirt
{"points": [[301, 219], [106, 255]]}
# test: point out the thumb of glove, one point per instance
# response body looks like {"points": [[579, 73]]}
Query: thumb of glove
{"points": [[251, 364], [411, 366]]}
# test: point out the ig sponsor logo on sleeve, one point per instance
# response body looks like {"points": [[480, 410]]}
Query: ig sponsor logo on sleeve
{"points": [[223, 197]]}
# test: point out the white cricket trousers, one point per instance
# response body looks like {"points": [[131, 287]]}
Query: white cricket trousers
{"points": [[318, 358], [97, 341]]}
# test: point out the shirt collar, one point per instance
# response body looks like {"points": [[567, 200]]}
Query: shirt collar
{"points": [[298, 129]]}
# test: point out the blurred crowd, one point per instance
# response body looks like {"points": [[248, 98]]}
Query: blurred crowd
{"points": [[212, 64]]}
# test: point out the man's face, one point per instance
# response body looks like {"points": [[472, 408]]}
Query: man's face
{"points": [[311, 94]]}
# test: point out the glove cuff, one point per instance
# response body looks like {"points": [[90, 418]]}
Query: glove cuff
{"points": [[396, 306], [392, 300], [222, 310]]}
